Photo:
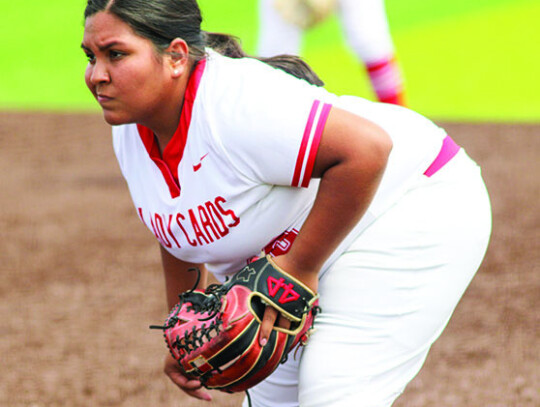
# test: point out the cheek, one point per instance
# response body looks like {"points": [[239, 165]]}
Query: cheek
{"points": [[87, 76], [143, 86]]}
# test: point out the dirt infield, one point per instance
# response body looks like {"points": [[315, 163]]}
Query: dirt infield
{"points": [[81, 279]]}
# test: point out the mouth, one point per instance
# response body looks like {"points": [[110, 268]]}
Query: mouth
{"points": [[103, 98]]}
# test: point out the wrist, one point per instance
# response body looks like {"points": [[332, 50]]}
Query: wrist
{"points": [[307, 275]]}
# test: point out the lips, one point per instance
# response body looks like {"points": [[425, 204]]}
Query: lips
{"points": [[103, 98]]}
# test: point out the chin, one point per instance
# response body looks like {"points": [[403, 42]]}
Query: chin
{"points": [[115, 119]]}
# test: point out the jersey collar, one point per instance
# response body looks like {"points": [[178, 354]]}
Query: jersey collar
{"points": [[174, 150]]}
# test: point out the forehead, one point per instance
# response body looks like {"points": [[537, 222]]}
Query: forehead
{"points": [[103, 28]]}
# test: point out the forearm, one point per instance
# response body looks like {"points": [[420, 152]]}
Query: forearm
{"points": [[342, 200], [350, 164], [178, 278]]}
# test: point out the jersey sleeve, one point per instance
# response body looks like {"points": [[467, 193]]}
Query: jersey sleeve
{"points": [[269, 123]]}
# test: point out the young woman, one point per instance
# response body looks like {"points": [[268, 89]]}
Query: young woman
{"points": [[225, 156]]}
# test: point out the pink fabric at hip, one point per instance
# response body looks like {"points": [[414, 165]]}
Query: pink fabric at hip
{"points": [[448, 150]]}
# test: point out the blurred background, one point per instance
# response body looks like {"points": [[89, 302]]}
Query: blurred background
{"points": [[462, 60], [81, 277]]}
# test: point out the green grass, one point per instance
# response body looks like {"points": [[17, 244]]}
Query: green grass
{"points": [[462, 60], [480, 65], [42, 65], [489, 71]]}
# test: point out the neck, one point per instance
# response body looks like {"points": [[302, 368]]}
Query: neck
{"points": [[164, 129]]}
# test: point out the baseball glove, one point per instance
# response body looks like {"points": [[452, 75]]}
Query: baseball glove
{"points": [[214, 334], [305, 13]]}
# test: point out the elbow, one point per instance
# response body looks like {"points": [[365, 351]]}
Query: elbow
{"points": [[384, 149], [380, 149]]}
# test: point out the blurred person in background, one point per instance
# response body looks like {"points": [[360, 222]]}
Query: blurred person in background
{"points": [[365, 24]]}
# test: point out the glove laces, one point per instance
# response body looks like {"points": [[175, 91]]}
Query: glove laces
{"points": [[210, 305]]}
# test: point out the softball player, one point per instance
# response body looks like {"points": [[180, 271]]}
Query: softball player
{"points": [[370, 204], [366, 29]]}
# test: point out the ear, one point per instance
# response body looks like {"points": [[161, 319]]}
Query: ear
{"points": [[178, 57]]}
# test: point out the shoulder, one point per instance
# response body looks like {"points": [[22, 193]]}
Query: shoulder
{"points": [[247, 83], [247, 101], [251, 72]]}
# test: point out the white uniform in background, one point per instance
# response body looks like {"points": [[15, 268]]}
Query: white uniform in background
{"points": [[366, 30]]}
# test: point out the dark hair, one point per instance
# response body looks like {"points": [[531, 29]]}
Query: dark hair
{"points": [[161, 21]]}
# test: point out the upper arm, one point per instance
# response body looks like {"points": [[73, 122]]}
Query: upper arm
{"points": [[268, 128], [349, 138], [351, 159], [180, 276]]}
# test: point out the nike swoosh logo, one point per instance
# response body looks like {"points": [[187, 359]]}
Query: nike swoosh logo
{"points": [[197, 167]]}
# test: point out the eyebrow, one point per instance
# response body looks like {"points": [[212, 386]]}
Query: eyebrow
{"points": [[102, 47]]}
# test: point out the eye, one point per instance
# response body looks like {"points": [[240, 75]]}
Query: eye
{"points": [[115, 54], [91, 57]]}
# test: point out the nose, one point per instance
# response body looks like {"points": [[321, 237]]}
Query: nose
{"points": [[99, 74]]}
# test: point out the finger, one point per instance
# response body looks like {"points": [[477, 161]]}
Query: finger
{"points": [[183, 382], [190, 386], [283, 322], [200, 394], [268, 321]]}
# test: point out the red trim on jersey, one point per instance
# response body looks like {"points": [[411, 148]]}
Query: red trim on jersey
{"points": [[310, 144], [149, 141], [315, 144], [303, 145], [174, 150]]}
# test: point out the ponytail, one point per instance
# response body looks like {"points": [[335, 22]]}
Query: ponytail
{"points": [[229, 46]]}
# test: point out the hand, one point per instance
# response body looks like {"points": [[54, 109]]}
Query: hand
{"points": [[189, 386], [272, 315]]}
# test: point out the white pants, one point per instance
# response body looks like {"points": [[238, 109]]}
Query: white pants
{"points": [[389, 296], [364, 23]]}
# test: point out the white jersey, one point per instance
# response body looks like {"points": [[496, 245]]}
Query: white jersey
{"points": [[236, 177]]}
